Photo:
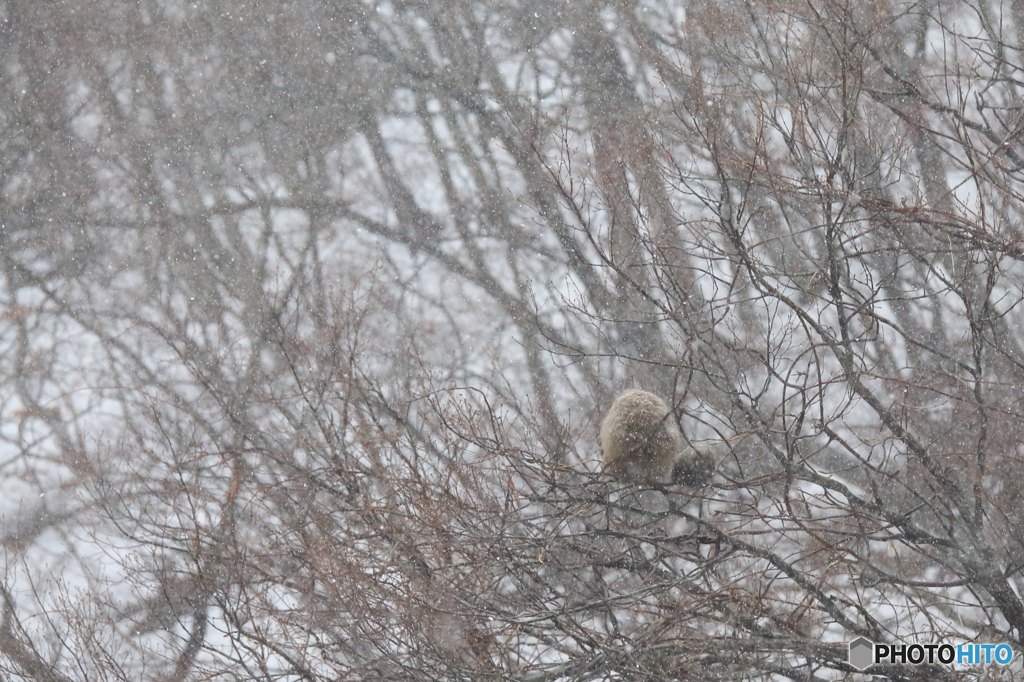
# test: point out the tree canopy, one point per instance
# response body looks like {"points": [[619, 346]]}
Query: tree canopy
{"points": [[310, 312]]}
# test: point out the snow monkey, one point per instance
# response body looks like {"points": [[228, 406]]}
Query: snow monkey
{"points": [[640, 443]]}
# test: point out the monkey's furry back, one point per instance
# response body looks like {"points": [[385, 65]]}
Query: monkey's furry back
{"points": [[640, 442]]}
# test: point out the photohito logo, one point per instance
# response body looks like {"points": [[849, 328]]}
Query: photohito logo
{"points": [[865, 653]]}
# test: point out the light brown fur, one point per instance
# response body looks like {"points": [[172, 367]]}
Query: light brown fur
{"points": [[641, 444]]}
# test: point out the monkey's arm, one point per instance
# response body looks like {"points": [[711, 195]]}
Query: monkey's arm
{"points": [[696, 466]]}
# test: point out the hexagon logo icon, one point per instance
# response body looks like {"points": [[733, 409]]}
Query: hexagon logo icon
{"points": [[861, 653]]}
